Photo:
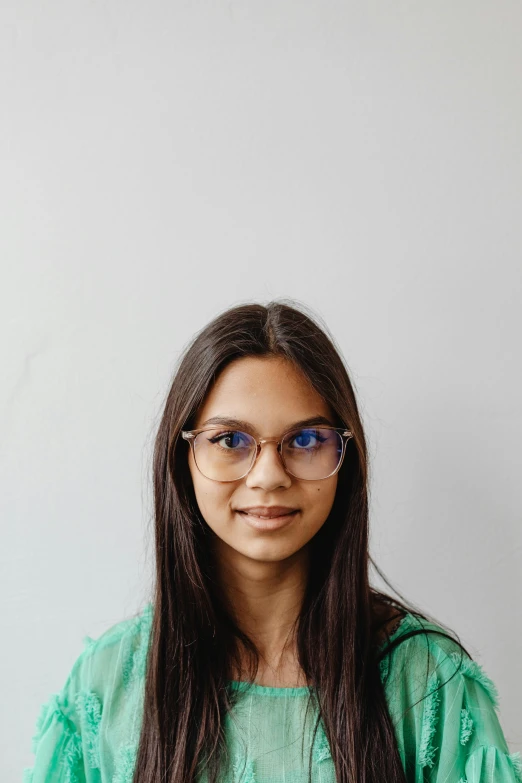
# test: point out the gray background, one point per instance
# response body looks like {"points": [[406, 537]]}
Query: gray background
{"points": [[162, 161]]}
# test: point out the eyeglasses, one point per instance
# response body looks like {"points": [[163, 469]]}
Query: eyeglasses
{"points": [[309, 454]]}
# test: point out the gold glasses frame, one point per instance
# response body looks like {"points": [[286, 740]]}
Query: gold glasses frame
{"points": [[190, 436]]}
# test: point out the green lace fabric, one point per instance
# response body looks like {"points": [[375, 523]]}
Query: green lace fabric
{"points": [[444, 709]]}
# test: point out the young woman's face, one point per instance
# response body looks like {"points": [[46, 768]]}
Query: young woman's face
{"points": [[272, 396]]}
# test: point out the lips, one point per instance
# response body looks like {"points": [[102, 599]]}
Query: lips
{"points": [[267, 512], [269, 524]]}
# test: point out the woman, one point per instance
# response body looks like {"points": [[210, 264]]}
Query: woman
{"points": [[265, 654]]}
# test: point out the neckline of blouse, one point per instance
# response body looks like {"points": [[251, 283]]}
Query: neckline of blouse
{"points": [[275, 690]]}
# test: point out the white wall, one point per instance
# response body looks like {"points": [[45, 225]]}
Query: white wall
{"points": [[162, 161]]}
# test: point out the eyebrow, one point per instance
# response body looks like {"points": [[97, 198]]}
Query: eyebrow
{"points": [[227, 421]]}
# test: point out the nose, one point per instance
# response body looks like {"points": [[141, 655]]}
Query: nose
{"points": [[268, 471]]}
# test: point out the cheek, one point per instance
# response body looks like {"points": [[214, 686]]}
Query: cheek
{"points": [[213, 499], [317, 505], [323, 495], [203, 487]]}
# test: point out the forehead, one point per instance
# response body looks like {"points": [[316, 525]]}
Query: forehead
{"points": [[269, 393]]}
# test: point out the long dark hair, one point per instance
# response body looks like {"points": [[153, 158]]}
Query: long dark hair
{"points": [[193, 637]]}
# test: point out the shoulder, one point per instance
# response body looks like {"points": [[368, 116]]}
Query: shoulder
{"points": [[119, 654], [444, 706], [421, 655]]}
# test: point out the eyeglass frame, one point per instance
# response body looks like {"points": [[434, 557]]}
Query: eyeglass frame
{"points": [[190, 436]]}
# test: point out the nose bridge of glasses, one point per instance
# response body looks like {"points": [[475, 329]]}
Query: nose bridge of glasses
{"points": [[269, 440], [259, 443]]}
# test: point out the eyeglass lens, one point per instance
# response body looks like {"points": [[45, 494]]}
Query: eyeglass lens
{"points": [[226, 455]]}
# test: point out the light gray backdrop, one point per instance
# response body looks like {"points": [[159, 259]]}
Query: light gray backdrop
{"points": [[161, 161]]}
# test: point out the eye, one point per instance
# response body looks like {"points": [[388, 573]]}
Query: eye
{"points": [[234, 439], [306, 439]]}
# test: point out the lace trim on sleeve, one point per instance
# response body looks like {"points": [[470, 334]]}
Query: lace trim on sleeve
{"points": [[90, 709], [474, 671], [126, 762], [51, 711], [430, 719]]}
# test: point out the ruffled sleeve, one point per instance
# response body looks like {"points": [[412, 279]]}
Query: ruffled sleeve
{"points": [[444, 709], [88, 732], [57, 745], [66, 740]]}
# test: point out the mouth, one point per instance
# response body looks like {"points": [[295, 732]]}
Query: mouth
{"points": [[266, 522]]}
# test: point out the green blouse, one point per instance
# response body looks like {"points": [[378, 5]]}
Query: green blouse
{"points": [[88, 732]]}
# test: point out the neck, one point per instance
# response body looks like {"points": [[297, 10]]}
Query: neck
{"points": [[264, 597]]}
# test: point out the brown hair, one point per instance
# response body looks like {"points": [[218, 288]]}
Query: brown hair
{"points": [[194, 637]]}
